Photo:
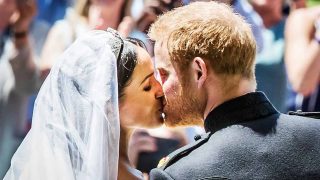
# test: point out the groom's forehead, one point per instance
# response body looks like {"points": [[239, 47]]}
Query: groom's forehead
{"points": [[161, 59], [161, 51], [162, 64], [161, 45]]}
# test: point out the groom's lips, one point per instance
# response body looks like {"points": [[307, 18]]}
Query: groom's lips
{"points": [[164, 102], [161, 109]]}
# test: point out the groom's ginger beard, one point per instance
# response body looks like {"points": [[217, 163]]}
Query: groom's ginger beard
{"points": [[182, 107]]}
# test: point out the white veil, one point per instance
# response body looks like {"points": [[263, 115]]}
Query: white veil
{"points": [[76, 129]]}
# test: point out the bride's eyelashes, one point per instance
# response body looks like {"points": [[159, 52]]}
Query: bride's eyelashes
{"points": [[147, 88], [151, 82]]}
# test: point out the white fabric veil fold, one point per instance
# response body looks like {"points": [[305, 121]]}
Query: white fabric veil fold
{"points": [[76, 130]]}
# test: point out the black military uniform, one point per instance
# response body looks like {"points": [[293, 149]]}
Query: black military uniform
{"points": [[248, 139]]}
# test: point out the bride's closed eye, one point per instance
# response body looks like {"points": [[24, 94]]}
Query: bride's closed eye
{"points": [[147, 88], [150, 83]]}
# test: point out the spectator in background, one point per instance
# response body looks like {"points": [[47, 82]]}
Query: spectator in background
{"points": [[49, 11], [149, 11], [152, 9], [18, 76], [52, 10], [291, 5], [148, 147], [297, 4], [87, 14], [303, 58], [244, 8], [270, 70]]}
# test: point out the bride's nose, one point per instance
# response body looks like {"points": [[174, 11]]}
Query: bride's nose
{"points": [[158, 90]]}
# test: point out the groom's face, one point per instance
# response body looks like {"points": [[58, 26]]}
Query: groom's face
{"points": [[181, 102]]}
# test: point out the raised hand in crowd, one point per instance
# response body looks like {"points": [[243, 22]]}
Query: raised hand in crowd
{"points": [[152, 9], [303, 49], [22, 63]]}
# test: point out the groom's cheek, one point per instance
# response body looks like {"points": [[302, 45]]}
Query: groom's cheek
{"points": [[171, 87]]}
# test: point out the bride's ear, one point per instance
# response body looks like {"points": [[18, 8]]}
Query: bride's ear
{"points": [[199, 71]]}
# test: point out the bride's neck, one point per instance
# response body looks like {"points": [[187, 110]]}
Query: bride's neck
{"points": [[124, 163], [125, 135]]}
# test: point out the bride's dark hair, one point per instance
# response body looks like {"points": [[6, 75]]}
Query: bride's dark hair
{"points": [[126, 54], [126, 62]]}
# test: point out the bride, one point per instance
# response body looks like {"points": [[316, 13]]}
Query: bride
{"points": [[99, 91]]}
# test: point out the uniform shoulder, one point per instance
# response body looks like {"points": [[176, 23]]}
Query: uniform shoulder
{"points": [[183, 151], [315, 115], [304, 120]]}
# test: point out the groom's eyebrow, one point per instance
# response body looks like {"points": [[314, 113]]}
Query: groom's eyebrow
{"points": [[162, 65], [149, 75]]}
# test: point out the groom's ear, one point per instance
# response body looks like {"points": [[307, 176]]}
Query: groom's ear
{"points": [[200, 71]]}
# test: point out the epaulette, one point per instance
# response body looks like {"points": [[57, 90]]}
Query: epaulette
{"points": [[179, 153], [315, 115]]}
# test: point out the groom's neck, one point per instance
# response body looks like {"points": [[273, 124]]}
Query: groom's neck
{"points": [[217, 95]]}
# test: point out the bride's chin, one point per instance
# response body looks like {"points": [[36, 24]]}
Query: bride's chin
{"points": [[153, 121], [157, 121]]}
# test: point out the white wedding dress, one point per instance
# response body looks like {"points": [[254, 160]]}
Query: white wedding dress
{"points": [[75, 130]]}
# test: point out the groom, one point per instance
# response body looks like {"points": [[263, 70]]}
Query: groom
{"points": [[205, 56]]}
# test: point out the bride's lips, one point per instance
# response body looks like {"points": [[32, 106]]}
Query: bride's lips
{"points": [[163, 103], [161, 109]]}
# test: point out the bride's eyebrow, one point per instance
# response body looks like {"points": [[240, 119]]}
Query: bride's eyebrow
{"points": [[151, 74]]}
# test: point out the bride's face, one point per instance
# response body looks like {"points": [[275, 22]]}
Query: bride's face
{"points": [[141, 106]]}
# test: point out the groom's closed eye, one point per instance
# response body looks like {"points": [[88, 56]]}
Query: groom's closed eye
{"points": [[163, 75]]}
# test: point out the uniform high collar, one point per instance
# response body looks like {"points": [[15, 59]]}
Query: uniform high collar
{"points": [[242, 109]]}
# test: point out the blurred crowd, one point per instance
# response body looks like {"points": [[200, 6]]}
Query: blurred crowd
{"points": [[33, 33]]}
